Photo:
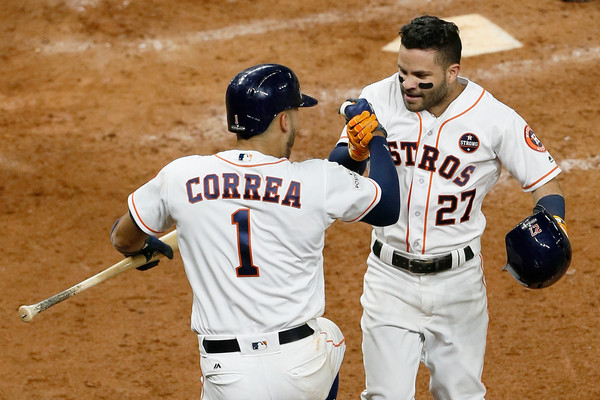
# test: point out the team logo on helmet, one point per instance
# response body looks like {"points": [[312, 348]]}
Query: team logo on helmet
{"points": [[533, 141], [468, 142]]}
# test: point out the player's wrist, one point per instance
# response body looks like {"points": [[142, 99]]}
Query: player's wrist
{"points": [[356, 153], [553, 203]]}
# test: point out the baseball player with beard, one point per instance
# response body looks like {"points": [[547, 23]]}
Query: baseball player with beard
{"points": [[251, 229], [424, 296]]}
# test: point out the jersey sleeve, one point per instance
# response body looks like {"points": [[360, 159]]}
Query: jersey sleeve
{"points": [[348, 195], [148, 205], [524, 156]]}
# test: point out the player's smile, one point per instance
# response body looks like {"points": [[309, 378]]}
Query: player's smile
{"points": [[410, 96], [414, 100]]}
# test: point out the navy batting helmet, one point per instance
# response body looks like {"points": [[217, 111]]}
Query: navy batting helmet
{"points": [[538, 251], [257, 94]]}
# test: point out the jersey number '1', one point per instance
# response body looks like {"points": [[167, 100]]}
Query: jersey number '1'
{"points": [[241, 218]]}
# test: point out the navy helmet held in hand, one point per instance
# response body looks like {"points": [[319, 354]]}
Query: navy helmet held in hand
{"points": [[257, 94], [538, 251]]}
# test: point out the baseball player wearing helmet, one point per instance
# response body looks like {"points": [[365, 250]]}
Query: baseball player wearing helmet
{"points": [[251, 229], [424, 297]]}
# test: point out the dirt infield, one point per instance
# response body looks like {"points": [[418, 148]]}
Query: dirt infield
{"points": [[96, 96]]}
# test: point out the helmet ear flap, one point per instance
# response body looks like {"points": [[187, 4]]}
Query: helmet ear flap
{"points": [[538, 251]]}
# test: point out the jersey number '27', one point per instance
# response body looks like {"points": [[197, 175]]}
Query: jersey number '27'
{"points": [[452, 205], [241, 218]]}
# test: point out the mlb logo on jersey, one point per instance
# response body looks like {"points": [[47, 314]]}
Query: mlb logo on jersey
{"points": [[245, 157], [262, 345]]}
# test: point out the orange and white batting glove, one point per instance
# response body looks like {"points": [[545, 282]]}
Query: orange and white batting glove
{"points": [[360, 132]]}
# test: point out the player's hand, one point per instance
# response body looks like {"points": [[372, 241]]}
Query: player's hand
{"points": [[360, 132], [152, 246], [353, 107], [361, 125]]}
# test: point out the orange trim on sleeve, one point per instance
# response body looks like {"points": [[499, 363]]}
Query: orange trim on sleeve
{"points": [[369, 207], [139, 217], [536, 182]]}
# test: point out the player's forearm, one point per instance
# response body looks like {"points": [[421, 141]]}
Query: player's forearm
{"points": [[550, 197], [340, 155], [126, 237], [383, 171]]}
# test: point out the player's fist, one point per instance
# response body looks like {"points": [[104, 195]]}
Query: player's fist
{"points": [[152, 246], [360, 132], [353, 107]]}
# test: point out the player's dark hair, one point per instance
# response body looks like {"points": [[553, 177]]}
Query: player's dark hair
{"points": [[429, 32]]}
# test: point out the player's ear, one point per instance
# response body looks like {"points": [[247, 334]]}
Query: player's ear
{"points": [[452, 72], [284, 121]]}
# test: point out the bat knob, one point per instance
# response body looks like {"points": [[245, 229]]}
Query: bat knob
{"points": [[345, 104], [25, 313]]}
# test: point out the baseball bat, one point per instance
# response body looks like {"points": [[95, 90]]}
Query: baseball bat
{"points": [[350, 102], [345, 104], [28, 312]]}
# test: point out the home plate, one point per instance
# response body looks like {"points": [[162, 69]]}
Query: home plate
{"points": [[478, 35]]}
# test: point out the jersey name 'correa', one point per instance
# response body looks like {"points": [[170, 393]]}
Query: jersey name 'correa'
{"points": [[232, 185]]}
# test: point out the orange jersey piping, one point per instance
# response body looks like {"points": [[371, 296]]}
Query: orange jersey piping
{"points": [[431, 175]]}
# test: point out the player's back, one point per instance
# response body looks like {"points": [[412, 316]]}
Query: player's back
{"points": [[251, 232]]}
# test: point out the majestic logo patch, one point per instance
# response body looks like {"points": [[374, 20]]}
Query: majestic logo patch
{"points": [[468, 142], [533, 141]]}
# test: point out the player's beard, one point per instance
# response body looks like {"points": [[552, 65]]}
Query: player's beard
{"points": [[428, 98], [290, 142]]}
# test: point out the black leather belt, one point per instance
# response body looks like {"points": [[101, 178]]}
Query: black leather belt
{"points": [[232, 345], [430, 266]]}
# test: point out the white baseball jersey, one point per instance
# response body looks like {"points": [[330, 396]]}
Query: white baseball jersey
{"points": [[251, 231], [447, 165]]}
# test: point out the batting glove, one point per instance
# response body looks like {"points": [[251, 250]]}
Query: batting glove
{"points": [[360, 132], [360, 124], [152, 246], [353, 107]]}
